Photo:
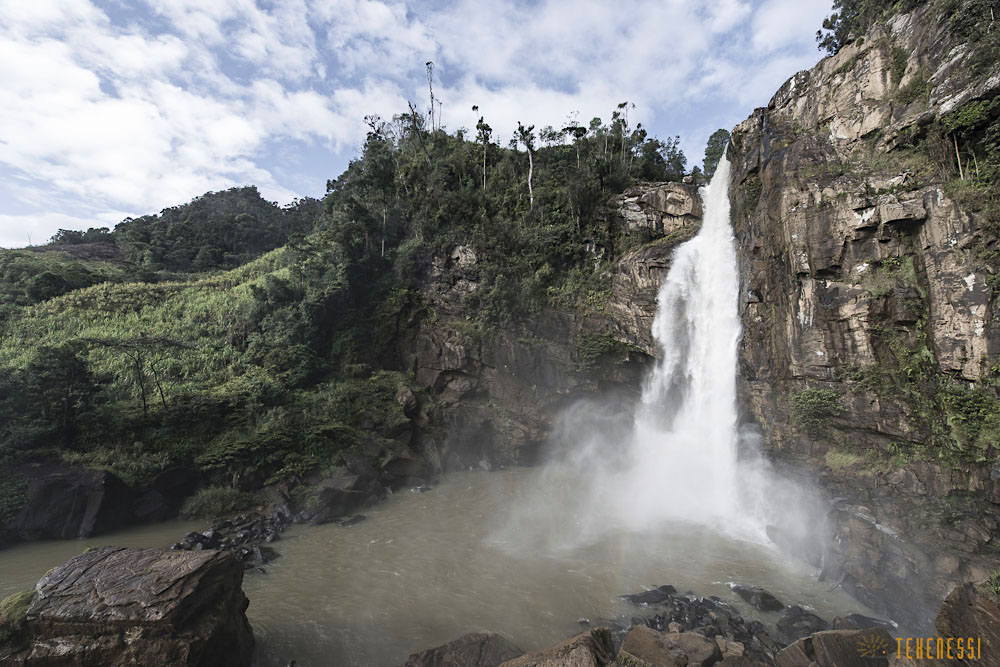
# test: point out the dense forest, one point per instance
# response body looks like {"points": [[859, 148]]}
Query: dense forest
{"points": [[257, 342]]}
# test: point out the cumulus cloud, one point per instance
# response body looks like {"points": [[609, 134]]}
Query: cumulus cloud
{"points": [[114, 109]]}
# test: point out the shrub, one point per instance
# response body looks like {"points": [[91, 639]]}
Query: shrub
{"points": [[13, 611], [813, 408], [217, 500]]}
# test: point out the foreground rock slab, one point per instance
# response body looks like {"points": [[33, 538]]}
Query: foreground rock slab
{"points": [[972, 610], [116, 606], [476, 649], [645, 646], [840, 648], [594, 648]]}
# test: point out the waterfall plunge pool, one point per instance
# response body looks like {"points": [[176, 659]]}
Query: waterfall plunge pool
{"points": [[426, 568]]}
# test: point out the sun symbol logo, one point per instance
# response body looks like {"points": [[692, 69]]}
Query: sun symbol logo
{"points": [[872, 646]]}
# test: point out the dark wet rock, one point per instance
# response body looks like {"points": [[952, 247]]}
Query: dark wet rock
{"points": [[972, 610], [342, 493], [246, 536], [115, 606], [804, 547], [644, 646], [357, 518], [797, 622], [861, 622], [709, 617], [475, 649], [655, 596], [758, 598], [65, 502], [594, 648], [840, 648]]}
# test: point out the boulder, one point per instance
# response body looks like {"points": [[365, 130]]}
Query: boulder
{"points": [[476, 649], [797, 623], [65, 502], [342, 493], [840, 648], [116, 606], [654, 596], [758, 598], [861, 622], [644, 646], [972, 610], [594, 648]]}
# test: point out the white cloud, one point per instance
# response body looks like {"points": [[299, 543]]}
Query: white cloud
{"points": [[104, 113]]}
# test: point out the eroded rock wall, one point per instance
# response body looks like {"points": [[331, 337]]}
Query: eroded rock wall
{"points": [[865, 308], [495, 395]]}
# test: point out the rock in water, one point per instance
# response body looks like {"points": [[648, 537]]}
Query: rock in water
{"points": [[840, 648], [797, 623], [476, 649], [115, 606], [758, 597], [972, 610], [594, 648], [644, 646]]}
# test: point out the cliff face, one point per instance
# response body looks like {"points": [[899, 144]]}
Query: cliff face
{"points": [[494, 395], [867, 306]]}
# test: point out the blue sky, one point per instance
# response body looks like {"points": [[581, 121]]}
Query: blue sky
{"points": [[120, 108]]}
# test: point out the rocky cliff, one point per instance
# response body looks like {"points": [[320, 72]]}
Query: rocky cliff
{"points": [[494, 395], [869, 338]]}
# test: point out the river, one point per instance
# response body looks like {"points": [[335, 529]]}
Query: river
{"points": [[425, 568]]}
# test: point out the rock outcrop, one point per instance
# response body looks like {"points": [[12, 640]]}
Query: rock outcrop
{"points": [[482, 649], [495, 396], [116, 606], [66, 502], [594, 648], [867, 312], [972, 612]]}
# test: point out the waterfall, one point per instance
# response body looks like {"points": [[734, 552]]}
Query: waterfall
{"points": [[676, 457], [682, 461]]}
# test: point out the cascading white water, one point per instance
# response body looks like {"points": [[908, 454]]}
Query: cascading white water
{"points": [[673, 458], [682, 460]]}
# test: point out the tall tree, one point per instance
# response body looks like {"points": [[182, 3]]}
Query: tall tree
{"points": [[526, 136], [714, 149]]}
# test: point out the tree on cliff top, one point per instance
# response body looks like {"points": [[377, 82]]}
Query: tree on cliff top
{"points": [[851, 18], [713, 151]]}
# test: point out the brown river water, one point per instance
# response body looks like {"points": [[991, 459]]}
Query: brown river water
{"points": [[425, 568]]}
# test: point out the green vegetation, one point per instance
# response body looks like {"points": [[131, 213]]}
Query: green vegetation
{"points": [[993, 581], [260, 343], [215, 501], [752, 188], [839, 460], [812, 409], [850, 19], [596, 351], [217, 230], [714, 150], [883, 278], [13, 494], [13, 612], [899, 58], [919, 88]]}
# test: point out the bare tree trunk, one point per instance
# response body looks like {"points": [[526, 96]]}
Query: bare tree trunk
{"points": [[531, 171], [958, 156], [383, 230]]}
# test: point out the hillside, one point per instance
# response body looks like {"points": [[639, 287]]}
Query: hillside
{"points": [[155, 357]]}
